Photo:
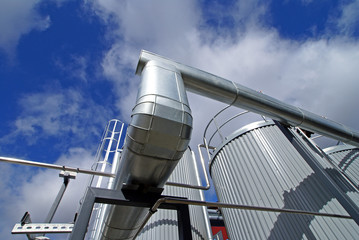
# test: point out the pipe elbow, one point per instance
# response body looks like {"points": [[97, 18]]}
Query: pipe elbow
{"points": [[160, 128]]}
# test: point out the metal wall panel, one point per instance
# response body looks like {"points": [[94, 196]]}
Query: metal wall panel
{"points": [[259, 166], [163, 224], [347, 159]]}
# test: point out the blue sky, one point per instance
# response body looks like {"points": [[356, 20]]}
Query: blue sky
{"points": [[67, 67]]}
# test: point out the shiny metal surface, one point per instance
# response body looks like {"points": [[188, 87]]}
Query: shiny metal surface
{"points": [[107, 156], [218, 88], [165, 234], [54, 166], [198, 185], [163, 224], [41, 228], [156, 139], [160, 128], [261, 167], [339, 187], [202, 198]]}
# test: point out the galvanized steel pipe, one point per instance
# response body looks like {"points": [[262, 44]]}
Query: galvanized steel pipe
{"points": [[54, 166], [157, 137], [226, 91]]}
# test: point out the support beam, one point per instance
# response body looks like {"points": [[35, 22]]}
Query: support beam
{"points": [[42, 228], [311, 160], [107, 196]]}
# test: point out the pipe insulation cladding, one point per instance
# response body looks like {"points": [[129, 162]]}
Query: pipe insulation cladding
{"points": [[157, 137], [225, 91]]}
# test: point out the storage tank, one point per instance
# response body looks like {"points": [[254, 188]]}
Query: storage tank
{"points": [[258, 165], [346, 158], [163, 224]]}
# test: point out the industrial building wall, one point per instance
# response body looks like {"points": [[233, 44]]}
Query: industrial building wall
{"points": [[259, 166], [163, 224]]}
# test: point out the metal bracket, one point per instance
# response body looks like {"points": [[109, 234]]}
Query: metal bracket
{"points": [[68, 174], [108, 196], [31, 229], [41, 228]]}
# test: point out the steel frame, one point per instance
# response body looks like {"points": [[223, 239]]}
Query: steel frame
{"points": [[132, 198]]}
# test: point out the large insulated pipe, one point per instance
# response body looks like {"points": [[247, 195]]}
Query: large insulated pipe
{"points": [[220, 89], [156, 139]]}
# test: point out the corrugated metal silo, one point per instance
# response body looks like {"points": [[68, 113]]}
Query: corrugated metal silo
{"points": [[163, 224], [259, 166], [346, 158]]}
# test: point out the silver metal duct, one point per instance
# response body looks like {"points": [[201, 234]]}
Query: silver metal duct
{"points": [[156, 139], [218, 88], [161, 125], [163, 224]]}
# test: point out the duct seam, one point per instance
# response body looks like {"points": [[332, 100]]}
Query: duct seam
{"points": [[156, 139]]}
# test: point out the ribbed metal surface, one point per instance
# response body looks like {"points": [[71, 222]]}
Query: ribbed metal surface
{"points": [[158, 135], [163, 224], [347, 159], [259, 166]]}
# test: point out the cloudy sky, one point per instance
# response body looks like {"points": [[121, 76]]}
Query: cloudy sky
{"points": [[67, 67]]}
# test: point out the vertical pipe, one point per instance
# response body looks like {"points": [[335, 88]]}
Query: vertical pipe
{"points": [[204, 208], [156, 139]]}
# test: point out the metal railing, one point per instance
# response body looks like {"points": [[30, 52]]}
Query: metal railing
{"points": [[108, 154], [111, 143], [218, 127]]}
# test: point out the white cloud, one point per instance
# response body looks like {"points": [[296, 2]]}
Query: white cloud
{"points": [[164, 26], [158, 19], [35, 191], [348, 22], [18, 18], [58, 113], [317, 74], [249, 12]]}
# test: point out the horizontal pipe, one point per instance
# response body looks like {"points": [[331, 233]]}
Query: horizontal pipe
{"points": [[54, 166], [246, 207], [226, 91], [233, 206]]}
